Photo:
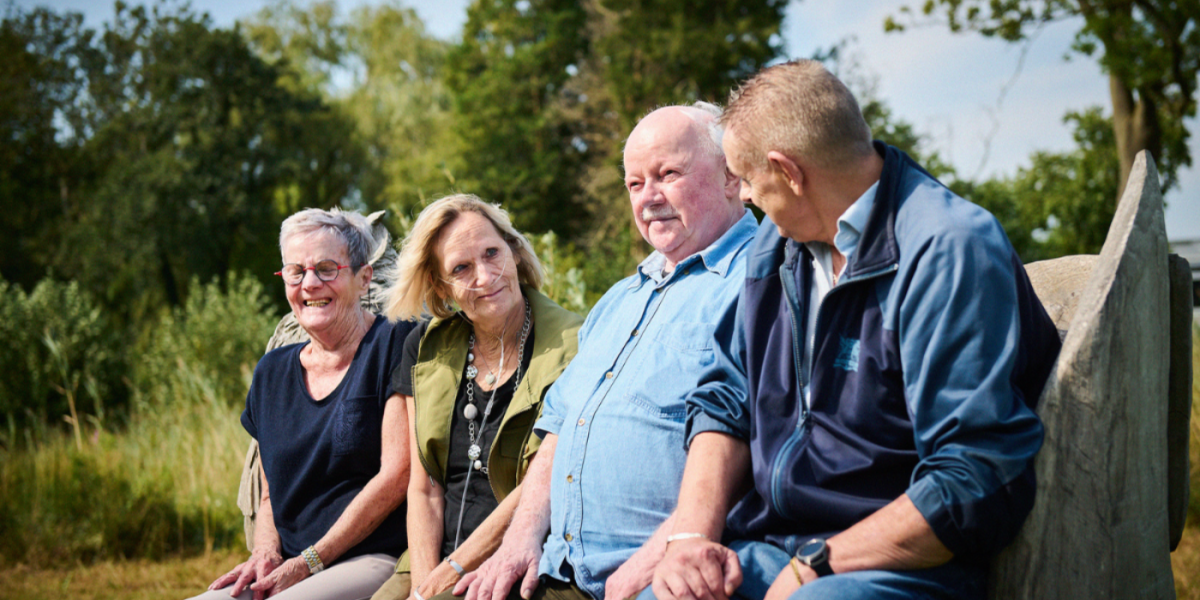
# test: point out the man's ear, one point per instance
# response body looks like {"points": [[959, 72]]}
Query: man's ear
{"points": [[733, 185], [791, 171]]}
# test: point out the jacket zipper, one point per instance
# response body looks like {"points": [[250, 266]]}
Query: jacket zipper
{"points": [[803, 369]]}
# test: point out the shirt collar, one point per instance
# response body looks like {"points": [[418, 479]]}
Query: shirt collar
{"points": [[852, 222], [716, 257]]}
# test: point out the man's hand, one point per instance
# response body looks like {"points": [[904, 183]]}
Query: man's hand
{"points": [[697, 569], [496, 576], [258, 566], [632, 577], [785, 583], [291, 572]]}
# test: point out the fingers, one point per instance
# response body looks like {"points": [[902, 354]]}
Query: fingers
{"points": [[503, 585], [733, 572], [263, 588], [465, 582], [227, 578], [243, 580], [530, 583]]}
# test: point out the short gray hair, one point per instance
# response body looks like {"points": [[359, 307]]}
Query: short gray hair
{"points": [[801, 109], [351, 228]]}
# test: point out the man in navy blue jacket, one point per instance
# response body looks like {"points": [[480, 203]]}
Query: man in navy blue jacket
{"points": [[893, 350]]}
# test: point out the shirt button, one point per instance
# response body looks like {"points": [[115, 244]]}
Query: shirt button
{"points": [[570, 478], [608, 375], [567, 536], [581, 422]]}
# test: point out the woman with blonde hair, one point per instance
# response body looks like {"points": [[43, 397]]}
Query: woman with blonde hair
{"points": [[473, 376]]}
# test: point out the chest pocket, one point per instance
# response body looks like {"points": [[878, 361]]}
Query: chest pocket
{"points": [[357, 426], [674, 360]]}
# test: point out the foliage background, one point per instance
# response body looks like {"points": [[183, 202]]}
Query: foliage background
{"points": [[145, 167]]}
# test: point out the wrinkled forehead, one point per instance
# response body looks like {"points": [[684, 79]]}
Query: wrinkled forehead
{"points": [[467, 230], [315, 245]]}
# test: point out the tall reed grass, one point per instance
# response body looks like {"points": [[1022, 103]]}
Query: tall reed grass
{"points": [[165, 483]]}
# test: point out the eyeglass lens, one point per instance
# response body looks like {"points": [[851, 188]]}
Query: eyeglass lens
{"points": [[326, 270]]}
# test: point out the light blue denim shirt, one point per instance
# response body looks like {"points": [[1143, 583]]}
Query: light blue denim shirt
{"points": [[619, 407]]}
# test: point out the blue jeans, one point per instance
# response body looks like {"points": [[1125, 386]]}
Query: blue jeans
{"points": [[762, 563]]}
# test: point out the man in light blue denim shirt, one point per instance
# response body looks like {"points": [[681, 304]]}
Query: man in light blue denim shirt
{"points": [[608, 472]]}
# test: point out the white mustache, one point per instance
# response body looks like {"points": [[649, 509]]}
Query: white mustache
{"points": [[658, 211]]}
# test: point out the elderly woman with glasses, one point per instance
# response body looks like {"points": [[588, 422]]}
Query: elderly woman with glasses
{"points": [[473, 377], [330, 427]]}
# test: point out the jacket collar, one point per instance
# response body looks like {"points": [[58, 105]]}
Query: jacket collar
{"points": [[877, 247]]}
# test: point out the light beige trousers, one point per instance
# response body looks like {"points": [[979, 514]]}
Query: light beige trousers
{"points": [[353, 579]]}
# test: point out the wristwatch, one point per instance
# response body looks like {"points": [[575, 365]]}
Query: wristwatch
{"points": [[815, 554]]}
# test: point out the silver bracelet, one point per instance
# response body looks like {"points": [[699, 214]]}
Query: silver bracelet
{"points": [[457, 567], [417, 594], [684, 536]]}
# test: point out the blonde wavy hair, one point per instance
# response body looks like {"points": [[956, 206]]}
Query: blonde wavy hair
{"points": [[418, 290]]}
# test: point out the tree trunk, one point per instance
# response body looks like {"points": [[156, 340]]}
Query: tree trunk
{"points": [[1135, 127]]}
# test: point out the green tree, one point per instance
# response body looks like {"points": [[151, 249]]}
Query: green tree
{"points": [[382, 72], [199, 152], [506, 78], [1149, 48], [1059, 204], [39, 82]]}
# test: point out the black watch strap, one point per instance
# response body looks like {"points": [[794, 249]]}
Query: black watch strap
{"points": [[815, 554]]}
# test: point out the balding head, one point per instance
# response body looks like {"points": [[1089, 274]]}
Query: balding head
{"points": [[682, 196]]}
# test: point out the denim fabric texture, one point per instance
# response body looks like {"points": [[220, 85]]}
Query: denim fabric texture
{"points": [[619, 408]]}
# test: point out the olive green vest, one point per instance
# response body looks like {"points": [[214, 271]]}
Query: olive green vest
{"points": [[437, 375]]}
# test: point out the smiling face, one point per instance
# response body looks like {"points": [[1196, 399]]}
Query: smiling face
{"points": [[478, 270], [681, 196], [325, 308]]}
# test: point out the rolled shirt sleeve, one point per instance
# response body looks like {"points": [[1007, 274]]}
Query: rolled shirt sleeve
{"points": [[975, 433], [719, 403]]}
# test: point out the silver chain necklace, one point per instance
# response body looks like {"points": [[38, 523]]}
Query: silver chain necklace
{"points": [[470, 411]]}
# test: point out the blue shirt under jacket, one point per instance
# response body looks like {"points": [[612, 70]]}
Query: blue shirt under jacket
{"points": [[318, 455], [929, 356], [619, 407]]}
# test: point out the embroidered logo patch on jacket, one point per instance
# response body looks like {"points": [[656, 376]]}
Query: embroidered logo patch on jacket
{"points": [[847, 358]]}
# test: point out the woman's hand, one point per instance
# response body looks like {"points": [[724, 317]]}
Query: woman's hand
{"points": [[441, 578], [260, 564], [291, 572]]}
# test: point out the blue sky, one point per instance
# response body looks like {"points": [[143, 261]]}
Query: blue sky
{"points": [[960, 90]]}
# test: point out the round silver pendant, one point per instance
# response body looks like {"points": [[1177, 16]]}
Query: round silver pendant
{"points": [[490, 379], [472, 371], [473, 452], [470, 412], [478, 465]]}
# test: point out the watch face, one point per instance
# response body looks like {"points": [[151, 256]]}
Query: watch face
{"points": [[811, 550]]}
